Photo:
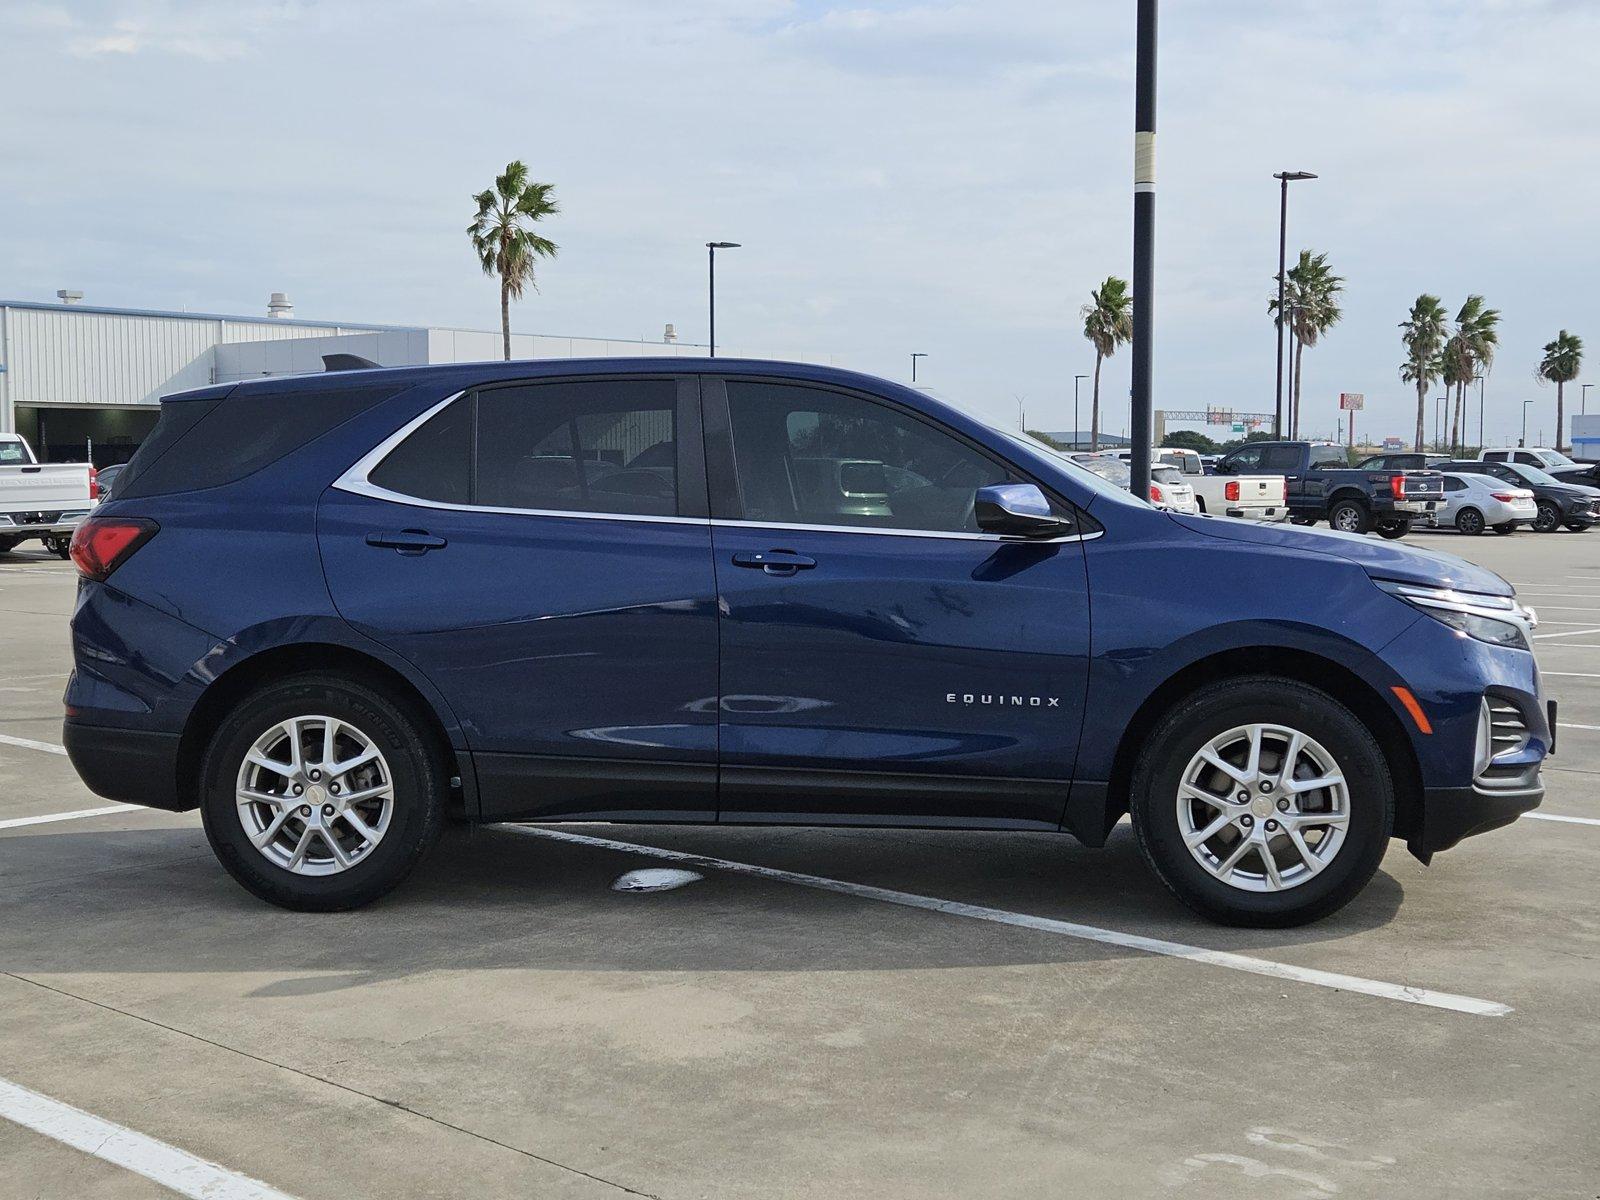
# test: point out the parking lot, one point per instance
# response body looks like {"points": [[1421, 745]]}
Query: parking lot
{"points": [[875, 1013]]}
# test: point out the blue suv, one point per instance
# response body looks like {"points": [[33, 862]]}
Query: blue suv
{"points": [[333, 611]]}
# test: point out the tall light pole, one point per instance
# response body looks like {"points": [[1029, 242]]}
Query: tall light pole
{"points": [[711, 285], [915, 354], [1283, 178], [1140, 428], [1583, 397], [1076, 380], [1480, 413], [1438, 420], [1524, 440]]}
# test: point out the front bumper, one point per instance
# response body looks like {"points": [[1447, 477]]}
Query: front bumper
{"points": [[1452, 813], [134, 766]]}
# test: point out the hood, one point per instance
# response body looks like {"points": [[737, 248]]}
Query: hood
{"points": [[1379, 559], [1572, 491]]}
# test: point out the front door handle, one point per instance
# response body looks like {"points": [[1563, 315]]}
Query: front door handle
{"points": [[774, 562], [407, 541]]}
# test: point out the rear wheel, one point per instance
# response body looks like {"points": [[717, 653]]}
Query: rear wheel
{"points": [[57, 545], [1304, 520], [1393, 527], [1262, 801], [8, 544], [1549, 518], [1350, 516], [1470, 521], [1506, 527], [320, 793]]}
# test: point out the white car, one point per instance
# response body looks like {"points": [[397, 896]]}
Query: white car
{"points": [[41, 500], [1473, 503], [1168, 489], [1530, 456], [1252, 497]]}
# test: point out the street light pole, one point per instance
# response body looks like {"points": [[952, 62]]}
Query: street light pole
{"points": [[1524, 439], [1583, 397], [1480, 414], [711, 285], [1283, 178], [1144, 242], [1076, 380], [915, 354]]}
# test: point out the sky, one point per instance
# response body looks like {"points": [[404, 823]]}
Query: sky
{"points": [[945, 178]]}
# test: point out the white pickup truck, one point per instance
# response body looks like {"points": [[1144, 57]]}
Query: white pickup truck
{"points": [[1253, 497], [41, 500]]}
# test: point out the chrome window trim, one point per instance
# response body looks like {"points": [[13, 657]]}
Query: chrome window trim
{"points": [[355, 482]]}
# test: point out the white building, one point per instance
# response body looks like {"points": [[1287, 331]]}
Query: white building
{"points": [[74, 376]]}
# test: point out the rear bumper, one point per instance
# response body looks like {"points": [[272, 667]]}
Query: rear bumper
{"points": [[135, 766], [1452, 813], [1275, 512]]}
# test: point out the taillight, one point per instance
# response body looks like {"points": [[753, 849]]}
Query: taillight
{"points": [[1283, 497], [94, 484], [1231, 489], [102, 544], [1397, 485], [1504, 497], [1155, 495]]}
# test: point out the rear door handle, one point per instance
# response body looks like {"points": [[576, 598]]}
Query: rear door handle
{"points": [[407, 541], [774, 562]]}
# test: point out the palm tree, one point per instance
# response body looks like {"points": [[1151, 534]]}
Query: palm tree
{"points": [[1454, 368], [503, 237], [1311, 298], [1108, 323], [1477, 330], [1562, 360], [1422, 334]]}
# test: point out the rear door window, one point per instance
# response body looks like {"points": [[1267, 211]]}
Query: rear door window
{"points": [[1280, 458], [1328, 457]]}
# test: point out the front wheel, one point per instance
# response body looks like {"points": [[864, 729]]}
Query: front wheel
{"points": [[1549, 518], [321, 793], [1393, 527], [1470, 521], [1576, 526], [1262, 801], [1350, 516], [1505, 527]]}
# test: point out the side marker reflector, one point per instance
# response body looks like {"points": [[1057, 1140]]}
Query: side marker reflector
{"points": [[1405, 697]]}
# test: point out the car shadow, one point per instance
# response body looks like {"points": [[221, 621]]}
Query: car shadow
{"points": [[154, 900]]}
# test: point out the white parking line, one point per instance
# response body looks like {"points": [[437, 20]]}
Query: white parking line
{"points": [[49, 818], [1569, 725], [1573, 674], [1573, 633], [172, 1168], [29, 744], [1566, 820], [1090, 933]]}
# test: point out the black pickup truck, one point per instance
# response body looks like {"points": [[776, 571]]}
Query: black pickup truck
{"points": [[1323, 487]]}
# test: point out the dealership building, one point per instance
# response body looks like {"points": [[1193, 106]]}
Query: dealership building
{"points": [[78, 380]]}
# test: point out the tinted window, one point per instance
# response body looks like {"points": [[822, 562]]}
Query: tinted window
{"points": [[1280, 458], [1495, 456], [600, 446], [1329, 456], [435, 462], [204, 444], [1247, 459], [1454, 483], [807, 456]]}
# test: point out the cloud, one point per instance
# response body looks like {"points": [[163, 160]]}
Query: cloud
{"points": [[207, 31]]}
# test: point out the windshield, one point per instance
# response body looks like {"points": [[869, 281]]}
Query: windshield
{"points": [[1098, 477], [1554, 458], [1531, 474]]}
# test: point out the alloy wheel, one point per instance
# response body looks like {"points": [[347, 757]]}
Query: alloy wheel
{"points": [[1263, 808], [315, 795]]}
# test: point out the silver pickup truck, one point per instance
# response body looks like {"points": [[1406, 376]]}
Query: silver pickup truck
{"points": [[41, 500]]}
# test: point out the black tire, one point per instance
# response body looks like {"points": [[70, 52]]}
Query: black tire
{"points": [[1217, 708], [59, 546], [1549, 518], [1350, 516], [1577, 526], [1470, 521], [8, 544], [1393, 527], [417, 775], [1303, 520], [1506, 527]]}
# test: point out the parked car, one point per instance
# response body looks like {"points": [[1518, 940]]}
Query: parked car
{"points": [[1322, 487], [1402, 462], [41, 500], [1528, 456], [450, 609], [108, 478], [1169, 489], [1473, 503], [1253, 497], [1570, 504], [1585, 474]]}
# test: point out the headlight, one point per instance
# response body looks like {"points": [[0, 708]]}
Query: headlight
{"points": [[1498, 620]]}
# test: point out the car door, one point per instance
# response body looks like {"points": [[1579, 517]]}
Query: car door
{"points": [[541, 552], [883, 660]]}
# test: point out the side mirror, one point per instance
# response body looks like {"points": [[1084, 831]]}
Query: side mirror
{"points": [[1017, 510]]}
